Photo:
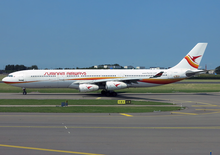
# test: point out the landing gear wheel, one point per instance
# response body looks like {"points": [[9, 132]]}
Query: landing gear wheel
{"points": [[24, 91], [108, 93], [103, 92], [114, 94]]}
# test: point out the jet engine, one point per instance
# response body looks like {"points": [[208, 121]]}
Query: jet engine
{"points": [[88, 87], [115, 85]]}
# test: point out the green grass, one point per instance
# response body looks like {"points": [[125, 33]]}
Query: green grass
{"points": [[5, 88], [174, 88], [119, 109], [72, 102], [201, 80], [170, 88], [82, 109], [2, 76]]}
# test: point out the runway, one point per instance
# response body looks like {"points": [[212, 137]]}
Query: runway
{"points": [[195, 130]]}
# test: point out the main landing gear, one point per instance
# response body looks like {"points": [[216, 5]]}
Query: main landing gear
{"points": [[108, 93], [24, 91]]}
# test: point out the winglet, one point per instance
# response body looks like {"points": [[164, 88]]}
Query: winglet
{"points": [[158, 75]]}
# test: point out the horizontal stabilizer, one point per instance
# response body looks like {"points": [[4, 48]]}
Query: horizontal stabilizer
{"points": [[191, 73]]}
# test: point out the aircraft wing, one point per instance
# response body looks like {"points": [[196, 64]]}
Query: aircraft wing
{"points": [[124, 79]]}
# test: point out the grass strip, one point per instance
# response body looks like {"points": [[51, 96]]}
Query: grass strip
{"points": [[72, 102], [81, 109], [87, 109], [170, 88]]}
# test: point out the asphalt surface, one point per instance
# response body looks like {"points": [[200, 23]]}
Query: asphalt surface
{"points": [[195, 130]]}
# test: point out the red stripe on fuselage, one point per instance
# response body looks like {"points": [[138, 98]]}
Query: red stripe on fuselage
{"points": [[160, 81]]}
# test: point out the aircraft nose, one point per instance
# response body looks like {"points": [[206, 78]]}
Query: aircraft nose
{"points": [[4, 79]]}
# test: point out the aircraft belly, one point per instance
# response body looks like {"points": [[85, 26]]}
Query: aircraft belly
{"points": [[42, 84], [19, 85], [64, 84], [143, 84]]}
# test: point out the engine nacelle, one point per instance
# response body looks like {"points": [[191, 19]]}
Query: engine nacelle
{"points": [[115, 85], [88, 87]]}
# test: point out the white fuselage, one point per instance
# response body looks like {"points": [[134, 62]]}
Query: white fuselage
{"points": [[72, 78]]}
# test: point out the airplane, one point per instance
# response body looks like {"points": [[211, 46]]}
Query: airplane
{"points": [[108, 80]]}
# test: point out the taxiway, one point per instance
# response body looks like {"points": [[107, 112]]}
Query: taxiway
{"points": [[195, 130]]}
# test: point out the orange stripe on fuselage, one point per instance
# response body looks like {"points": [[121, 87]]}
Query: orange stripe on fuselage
{"points": [[160, 81], [193, 64]]}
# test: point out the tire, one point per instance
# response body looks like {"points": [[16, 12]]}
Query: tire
{"points": [[107, 93], [114, 94], [103, 92]]}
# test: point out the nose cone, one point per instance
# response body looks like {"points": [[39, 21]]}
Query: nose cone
{"points": [[4, 79]]}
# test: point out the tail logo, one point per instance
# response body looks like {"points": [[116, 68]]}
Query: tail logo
{"points": [[192, 60]]}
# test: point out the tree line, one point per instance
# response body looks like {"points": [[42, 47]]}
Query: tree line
{"points": [[13, 68], [217, 70]]}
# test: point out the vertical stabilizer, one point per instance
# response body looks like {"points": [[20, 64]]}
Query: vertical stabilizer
{"points": [[193, 58]]}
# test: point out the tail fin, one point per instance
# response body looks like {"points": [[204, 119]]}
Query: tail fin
{"points": [[193, 58]]}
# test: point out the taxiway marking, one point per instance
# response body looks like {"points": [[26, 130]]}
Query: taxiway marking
{"points": [[126, 115], [184, 113], [215, 111], [50, 150], [208, 105], [209, 109]]}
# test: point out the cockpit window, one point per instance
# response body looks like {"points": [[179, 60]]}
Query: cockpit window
{"points": [[10, 75]]}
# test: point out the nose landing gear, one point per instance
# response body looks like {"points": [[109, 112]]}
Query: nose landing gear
{"points": [[24, 91]]}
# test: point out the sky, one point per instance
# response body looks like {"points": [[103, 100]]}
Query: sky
{"points": [[82, 33]]}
